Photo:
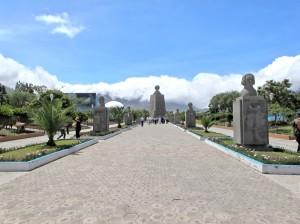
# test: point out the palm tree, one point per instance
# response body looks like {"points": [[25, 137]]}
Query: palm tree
{"points": [[117, 114], [51, 117], [207, 122]]}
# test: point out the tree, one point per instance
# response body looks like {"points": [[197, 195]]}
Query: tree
{"points": [[6, 115], [222, 102], [117, 114], [182, 116], [229, 118], [3, 94], [29, 87], [206, 122], [22, 114], [286, 113], [19, 98], [83, 116], [66, 101], [275, 110], [282, 94], [51, 117], [24, 87], [137, 113]]}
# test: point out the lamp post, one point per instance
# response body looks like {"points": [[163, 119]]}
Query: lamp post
{"points": [[271, 97], [51, 97]]}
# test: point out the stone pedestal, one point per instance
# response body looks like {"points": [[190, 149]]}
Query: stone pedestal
{"points": [[250, 121], [128, 117], [177, 117], [101, 117], [190, 117]]}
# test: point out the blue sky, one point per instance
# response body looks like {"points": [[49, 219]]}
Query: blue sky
{"points": [[125, 38]]}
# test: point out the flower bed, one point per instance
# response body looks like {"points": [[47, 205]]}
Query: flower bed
{"points": [[31, 152], [38, 155], [268, 156]]}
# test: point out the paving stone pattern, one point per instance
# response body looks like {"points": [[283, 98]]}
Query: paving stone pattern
{"points": [[156, 174]]}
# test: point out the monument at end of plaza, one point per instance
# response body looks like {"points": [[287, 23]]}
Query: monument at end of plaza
{"points": [[250, 116], [157, 104], [101, 117], [190, 117], [177, 117], [128, 117]]}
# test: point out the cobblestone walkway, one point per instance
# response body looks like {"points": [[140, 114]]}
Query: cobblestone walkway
{"points": [[156, 174]]}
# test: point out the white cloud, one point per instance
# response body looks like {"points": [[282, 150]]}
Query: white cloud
{"points": [[12, 71], [199, 90], [61, 24], [62, 18], [70, 31]]}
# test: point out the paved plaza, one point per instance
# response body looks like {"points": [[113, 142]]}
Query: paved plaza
{"points": [[156, 174]]}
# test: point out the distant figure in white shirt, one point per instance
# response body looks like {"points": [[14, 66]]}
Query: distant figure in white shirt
{"points": [[142, 121]]}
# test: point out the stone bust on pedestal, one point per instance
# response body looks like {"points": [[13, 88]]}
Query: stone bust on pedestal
{"points": [[190, 117], [250, 116], [101, 117], [157, 104], [248, 82]]}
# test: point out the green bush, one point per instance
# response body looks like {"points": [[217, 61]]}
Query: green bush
{"points": [[81, 115], [6, 115], [117, 114], [207, 122], [21, 114], [51, 117], [6, 110]]}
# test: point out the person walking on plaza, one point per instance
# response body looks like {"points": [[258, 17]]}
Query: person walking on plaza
{"points": [[78, 127], [142, 121], [296, 129], [62, 133]]}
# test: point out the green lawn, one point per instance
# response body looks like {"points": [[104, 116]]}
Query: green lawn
{"points": [[277, 156], [287, 130], [202, 133], [34, 151]]}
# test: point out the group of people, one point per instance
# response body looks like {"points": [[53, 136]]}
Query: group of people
{"points": [[65, 130], [151, 120]]}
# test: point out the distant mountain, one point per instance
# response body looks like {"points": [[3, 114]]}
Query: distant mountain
{"points": [[138, 104], [86, 100]]}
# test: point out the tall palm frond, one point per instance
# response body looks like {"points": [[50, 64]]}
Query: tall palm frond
{"points": [[51, 117]]}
